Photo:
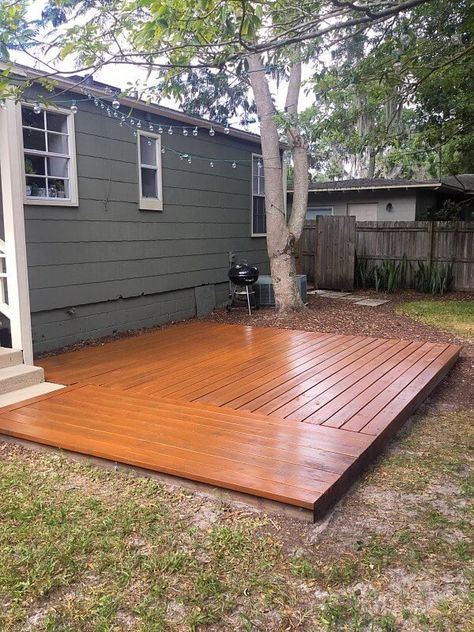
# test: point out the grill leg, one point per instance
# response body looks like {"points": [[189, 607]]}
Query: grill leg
{"points": [[248, 299]]}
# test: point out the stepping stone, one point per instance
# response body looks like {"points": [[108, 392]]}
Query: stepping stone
{"points": [[372, 302], [353, 298]]}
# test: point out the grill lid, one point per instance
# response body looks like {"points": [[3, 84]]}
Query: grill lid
{"points": [[243, 274]]}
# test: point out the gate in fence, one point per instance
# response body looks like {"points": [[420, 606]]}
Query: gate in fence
{"points": [[327, 252]]}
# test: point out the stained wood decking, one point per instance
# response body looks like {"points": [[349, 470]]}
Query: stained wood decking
{"points": [[287, 415]]}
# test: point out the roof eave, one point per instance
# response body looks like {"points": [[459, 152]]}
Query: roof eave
{"points": [[135, 103]]}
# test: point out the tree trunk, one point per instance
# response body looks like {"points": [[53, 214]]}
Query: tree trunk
{"points": [[282, 238]]}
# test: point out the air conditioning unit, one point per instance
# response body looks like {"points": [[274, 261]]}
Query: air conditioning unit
{"points": [[264, 289]]}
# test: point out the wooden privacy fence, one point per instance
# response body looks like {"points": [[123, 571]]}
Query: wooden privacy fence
{"points": [[429, 242]]}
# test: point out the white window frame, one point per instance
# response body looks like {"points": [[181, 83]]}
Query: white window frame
{"points": [[145, 203], [319, 207], [73, 199], [252, 195]]}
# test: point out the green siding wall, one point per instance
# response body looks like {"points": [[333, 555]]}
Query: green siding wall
{"points": [[122, 268]]}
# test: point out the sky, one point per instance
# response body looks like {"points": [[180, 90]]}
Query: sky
{"points": [[119, 76]]}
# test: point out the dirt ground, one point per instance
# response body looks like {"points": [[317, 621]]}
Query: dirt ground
{"points": [[395, 554]]}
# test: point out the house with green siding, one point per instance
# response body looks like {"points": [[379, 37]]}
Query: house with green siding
{"points": [[118, 214]]}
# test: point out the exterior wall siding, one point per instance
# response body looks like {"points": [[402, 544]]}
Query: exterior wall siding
{"points": [[106, 266], [404, 203]]}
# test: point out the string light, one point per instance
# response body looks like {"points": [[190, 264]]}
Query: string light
{"points": [[136, 124]]}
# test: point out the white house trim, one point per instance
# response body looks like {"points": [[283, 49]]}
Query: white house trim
{"points": [[11, 170]]}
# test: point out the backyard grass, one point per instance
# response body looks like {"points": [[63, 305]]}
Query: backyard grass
{"points": [[454, 316], [88, 549]]}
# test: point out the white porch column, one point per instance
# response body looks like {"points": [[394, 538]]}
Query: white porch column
{"points": [[11, 157]]}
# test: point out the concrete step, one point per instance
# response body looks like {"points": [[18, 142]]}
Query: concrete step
{"points": [[26, 393], [9, 357], [13, 378]]}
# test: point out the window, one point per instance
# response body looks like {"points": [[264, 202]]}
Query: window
{"points": [[318, 211], [259, 220], [49, 157], [149, 172]]}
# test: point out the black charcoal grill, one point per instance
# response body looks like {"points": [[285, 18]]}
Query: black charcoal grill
{"points": [[242, 277]]}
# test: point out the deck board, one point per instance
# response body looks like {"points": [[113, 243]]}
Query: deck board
{"points": [[286, 415]]}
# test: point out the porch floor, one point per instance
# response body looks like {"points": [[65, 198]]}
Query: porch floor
{"points": [[286, 415]]}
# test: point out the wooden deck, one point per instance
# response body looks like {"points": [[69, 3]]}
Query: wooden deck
{"points": [[286, 415]]}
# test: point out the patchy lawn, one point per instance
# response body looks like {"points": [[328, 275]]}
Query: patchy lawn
{"points": [[83, 548], [454, 316]]}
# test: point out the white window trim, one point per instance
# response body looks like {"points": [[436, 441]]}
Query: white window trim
{"points": [[320, 206], [73, 199], [252, 196], [144, 203]]}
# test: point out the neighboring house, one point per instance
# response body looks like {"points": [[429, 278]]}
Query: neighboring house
{"points": [[102, 231], [388, 200]]}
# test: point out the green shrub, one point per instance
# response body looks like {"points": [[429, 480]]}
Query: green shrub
{"points": [[387, 276], [436, 278]]}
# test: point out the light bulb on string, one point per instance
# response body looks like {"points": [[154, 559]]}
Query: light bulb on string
{"points": [[149, 143], [211, 164], [189, 159], [96, 102], [37, 108], [185, 131], [139, 124], [116, 114], [160, 130], [170, 130], [234, 165], [150, 127], [134, 133], [132, 121], [163, 150], [109, 112], [102, 106], [195, 131], [116, 104], [211, 132], [73, 107], [89, 95]]}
